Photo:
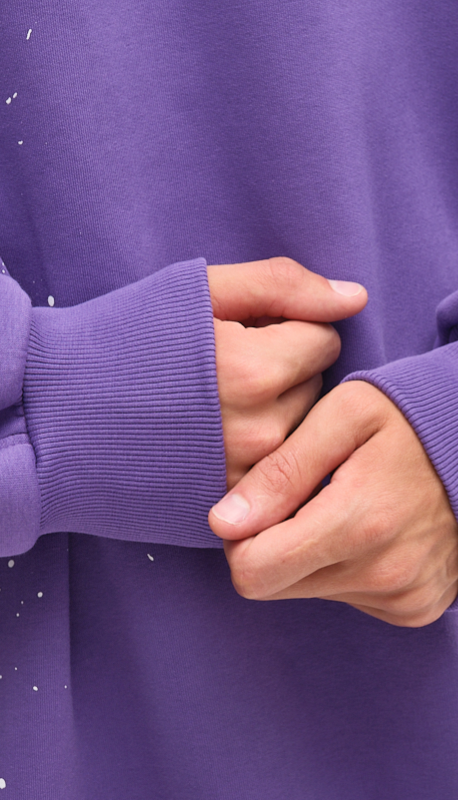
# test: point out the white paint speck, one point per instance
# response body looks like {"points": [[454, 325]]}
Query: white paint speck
{"points": [[35, 688], [21, 141], [40, 594], [151, 558], [65, 687], [1, 676], [11, 563], [8, 101], [17, 614], [2, 783], [15, 669], [50, 300], [28, 33], [14, 96], [4, 271], [22, 602]]}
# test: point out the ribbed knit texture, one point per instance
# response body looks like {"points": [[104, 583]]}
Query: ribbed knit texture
{"points": [[15, 318], [123, 411], [19, 494], [424, 388], [136, 134]]}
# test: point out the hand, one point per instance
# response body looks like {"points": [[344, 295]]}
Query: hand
{"points": [[381, 536], [270, 376]]}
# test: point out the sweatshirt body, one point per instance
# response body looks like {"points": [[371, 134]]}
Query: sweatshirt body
{"points": [[135, 136]]}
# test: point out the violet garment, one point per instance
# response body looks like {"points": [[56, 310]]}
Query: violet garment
{"points": [[136, 140]]}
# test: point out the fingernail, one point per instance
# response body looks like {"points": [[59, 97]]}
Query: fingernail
{"points": [[232, 509], [348, 288]]}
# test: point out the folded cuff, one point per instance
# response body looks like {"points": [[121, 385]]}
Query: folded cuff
{"points": [[19, 491], [122, 408]]}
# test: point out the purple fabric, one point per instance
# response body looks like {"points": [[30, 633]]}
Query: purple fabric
{"points": [[123, 412], [19, 490], [138, 135]]}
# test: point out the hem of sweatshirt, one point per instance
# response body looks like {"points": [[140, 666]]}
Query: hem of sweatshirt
{"points": [[425, 389], [122, 408]]}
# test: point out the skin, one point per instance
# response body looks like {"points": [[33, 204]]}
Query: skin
{"points": [[273, 339], [381, 536]]}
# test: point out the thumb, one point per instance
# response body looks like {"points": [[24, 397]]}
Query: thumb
{"points": [[280, 287]]}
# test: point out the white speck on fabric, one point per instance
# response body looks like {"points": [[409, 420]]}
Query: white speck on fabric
{"points": [[14, 96], [35, 688], [40, 594], [65, 687], [8, 101], [2, 783], [28, 33], [15, 669], [17, 614], [21, 141], [11, 563], [50, 300], [22, 602], [151, 558]]}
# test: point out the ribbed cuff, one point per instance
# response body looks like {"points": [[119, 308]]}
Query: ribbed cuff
{"points": [[425, 389], [19, 493], [15, 319], [122, 408]]}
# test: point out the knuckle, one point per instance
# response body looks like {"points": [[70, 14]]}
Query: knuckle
{"points": [[413, 616], [362, 401], [284, 271], [273, 437], [261, 385], [413, 607], [245, 588], [349, 398], [405, 604], [334, 343], [393, 580], [256, 385], [245, 579]]}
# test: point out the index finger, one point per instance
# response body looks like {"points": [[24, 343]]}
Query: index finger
{"points": [[280, 287], [278, 484], [286, 553]]}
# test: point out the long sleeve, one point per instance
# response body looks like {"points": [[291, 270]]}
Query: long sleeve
{"points": [[19, 490], [119, 430], [425, 388]]}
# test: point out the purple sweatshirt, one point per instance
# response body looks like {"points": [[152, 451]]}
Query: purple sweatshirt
{"points": [[136, 140]]}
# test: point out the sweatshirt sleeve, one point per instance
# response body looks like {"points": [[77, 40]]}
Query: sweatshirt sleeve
{"points": [[425, 389], [116, 426]]}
